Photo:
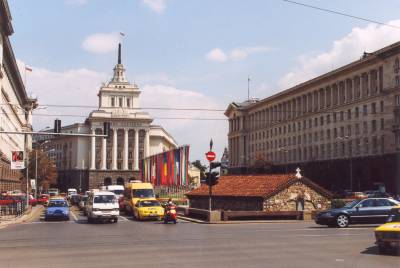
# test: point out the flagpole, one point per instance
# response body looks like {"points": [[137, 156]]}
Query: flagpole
{"points": [[248, 87]]}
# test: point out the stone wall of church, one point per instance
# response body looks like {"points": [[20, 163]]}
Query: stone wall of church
{"points": [[298, 196]]}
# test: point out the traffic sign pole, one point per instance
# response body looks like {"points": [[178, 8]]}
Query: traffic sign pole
{"points": [[210, 155]]}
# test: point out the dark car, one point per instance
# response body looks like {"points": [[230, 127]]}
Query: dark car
{"points": [[370, 210], [75, 199]]}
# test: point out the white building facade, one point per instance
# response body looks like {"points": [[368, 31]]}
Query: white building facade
{"points": [[116, 158], [15, 106]]}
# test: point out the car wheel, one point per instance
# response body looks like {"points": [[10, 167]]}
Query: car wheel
{"points": [[342, 221], [115, 220]]}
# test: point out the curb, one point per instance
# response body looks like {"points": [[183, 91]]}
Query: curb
{"points": [[31, 213], [241, 222]]}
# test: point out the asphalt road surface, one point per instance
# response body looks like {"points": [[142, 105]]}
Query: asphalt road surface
{"points": [[152, 244]]}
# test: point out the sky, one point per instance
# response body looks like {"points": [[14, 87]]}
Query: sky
{"points": [[187, 54]]}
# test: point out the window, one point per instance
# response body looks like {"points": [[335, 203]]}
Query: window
{"points": [[321, 121], [365, 127], [128, 103], [381, 106], [120, 102], [334, 133], [341, 131], [348, 114], [328, 134], [373, 126], [328, 119], [397, 100], [357, 129], [341, 116], [349, 130], [315, 122], [373, 108], [334, 117], [382, 124], [365, 110], [367, 203], [397, 81], [357, 112], [112, 102]]}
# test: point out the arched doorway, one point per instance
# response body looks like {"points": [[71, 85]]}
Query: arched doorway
{"points": [[120, 181], [107, 181]]}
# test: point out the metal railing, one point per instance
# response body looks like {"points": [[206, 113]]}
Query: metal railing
{"points": [[12, 210]]}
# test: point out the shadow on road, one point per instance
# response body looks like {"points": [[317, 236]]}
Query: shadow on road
{"points": [[349, 227], [375, 251]]}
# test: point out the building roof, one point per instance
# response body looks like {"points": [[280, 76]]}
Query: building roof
{"points": [[255, 186]]}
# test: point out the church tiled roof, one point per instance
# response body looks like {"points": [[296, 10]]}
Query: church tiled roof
{"points": [[255, 185]]}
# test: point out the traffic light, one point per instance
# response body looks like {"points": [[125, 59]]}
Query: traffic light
{"points": [[57, 126], [212, 176], [106, 129]]}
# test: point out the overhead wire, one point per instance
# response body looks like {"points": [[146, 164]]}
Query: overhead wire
{"points": [[341, 13]]}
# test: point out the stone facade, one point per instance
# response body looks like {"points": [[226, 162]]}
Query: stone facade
{"points": [[298, 196]]}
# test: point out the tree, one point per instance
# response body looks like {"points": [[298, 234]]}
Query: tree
{"points": [[202, 168], [46, 168]]}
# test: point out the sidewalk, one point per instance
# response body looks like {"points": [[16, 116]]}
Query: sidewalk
{"points": [[30, 214]]}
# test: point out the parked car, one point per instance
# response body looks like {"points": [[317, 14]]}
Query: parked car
{"points": [[8, 200], [43, 199], [370, 210], [71, 192], [387, 236], [57, 209], [148, 209], [102, 205]]}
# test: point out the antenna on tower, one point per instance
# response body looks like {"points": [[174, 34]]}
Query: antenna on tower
{"points": [[248, 87], [119, 53]]}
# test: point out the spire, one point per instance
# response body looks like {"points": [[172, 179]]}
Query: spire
{"points": [[119, 53]]}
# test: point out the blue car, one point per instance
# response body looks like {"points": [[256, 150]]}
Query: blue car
{"points": [[57, 209], [370, 210]]}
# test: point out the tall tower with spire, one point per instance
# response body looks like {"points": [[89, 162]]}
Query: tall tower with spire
{"points": [[118, 96]]}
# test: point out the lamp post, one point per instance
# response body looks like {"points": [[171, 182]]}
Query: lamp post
{"points": [[347, 138]]}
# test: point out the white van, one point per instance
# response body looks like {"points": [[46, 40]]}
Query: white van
{"points": [[72, 191], [118, 190], [102, 205]]}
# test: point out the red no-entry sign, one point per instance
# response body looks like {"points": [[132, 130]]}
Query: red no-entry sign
{"points": [[210, 156]]}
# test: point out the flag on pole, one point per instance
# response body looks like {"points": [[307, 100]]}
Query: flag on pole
{"points": [[27, 68], [121, 33]]}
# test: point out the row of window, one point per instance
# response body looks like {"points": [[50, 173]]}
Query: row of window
{"points": [[119, 102], [365, 146]]}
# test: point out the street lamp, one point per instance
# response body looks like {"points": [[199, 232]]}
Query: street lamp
{"points": [[347, 138]]}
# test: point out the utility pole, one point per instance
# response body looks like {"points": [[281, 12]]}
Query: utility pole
{"points": [[36, 172], [209, 186]]}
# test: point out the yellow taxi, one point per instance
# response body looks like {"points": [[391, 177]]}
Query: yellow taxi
{"points": [[149, 208], [388, 235]]}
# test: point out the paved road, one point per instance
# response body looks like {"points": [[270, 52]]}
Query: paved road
{"points": [[151, 244]]}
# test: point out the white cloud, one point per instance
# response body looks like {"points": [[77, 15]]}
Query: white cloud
{"points": [[76, 2], [243, 53], [235, 54], [217, 55], [157, 6], [80, 87], [101, 43], [343, 51]]}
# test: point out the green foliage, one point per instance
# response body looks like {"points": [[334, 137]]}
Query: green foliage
{"points": [[338, 203]]}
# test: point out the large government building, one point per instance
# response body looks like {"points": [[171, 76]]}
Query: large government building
{"points": [[15, 106], [342, 128], [89, 162]]}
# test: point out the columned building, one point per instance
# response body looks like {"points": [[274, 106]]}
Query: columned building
{"points": [[89, 162], [342, 128], [15, 106]]}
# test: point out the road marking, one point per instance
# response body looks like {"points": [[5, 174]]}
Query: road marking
{"points": [[324, 235], [124, 218], [74, 216]]}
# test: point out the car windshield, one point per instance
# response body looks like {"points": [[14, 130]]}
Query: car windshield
{"points": [[118, 192], [143, 193], [104, 199], [352, 204], [150, 203], [60, 203]]}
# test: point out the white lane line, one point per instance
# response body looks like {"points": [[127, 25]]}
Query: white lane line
{"points": [[74, 216], [328, 235], [124, 218]]}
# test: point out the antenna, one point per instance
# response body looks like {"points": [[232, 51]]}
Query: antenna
{"points": [[248, 87]]}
